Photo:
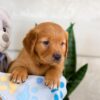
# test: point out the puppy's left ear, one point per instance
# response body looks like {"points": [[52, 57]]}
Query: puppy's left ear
{"points": [[29, 41], [66, 52]]}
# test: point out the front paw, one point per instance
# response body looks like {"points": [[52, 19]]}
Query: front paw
{"points": [[52, 82], [19, 75]]}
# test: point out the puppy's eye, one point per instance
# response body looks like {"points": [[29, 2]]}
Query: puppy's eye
{"points": [[63, 43], [45, 42]]}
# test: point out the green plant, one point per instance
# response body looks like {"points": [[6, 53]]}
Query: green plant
{"points": [[74, 77]]}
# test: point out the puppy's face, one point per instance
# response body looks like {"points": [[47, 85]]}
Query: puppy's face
{"points": [[48, 43]]}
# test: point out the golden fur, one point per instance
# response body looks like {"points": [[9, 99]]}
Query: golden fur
{"points": [[36, 58]]}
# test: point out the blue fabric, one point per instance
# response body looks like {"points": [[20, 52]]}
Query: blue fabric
{"points": [[3, 62], [33, 89]]}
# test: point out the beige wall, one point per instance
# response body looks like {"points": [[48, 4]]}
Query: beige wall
{"points": [[86, 15]]}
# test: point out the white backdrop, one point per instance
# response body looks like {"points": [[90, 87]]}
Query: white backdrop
{"points": [[86, 16]]}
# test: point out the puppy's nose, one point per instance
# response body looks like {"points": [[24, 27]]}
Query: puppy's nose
{"points": [[5, 38], [57, 56]]}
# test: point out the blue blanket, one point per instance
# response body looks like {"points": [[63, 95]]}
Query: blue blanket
{"points": [[33, 89]]}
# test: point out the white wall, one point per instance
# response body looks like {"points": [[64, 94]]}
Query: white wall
{"points": [[86, 16]]}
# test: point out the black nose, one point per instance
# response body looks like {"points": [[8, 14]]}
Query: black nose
{"points": [[5, 38], [57, 56]]}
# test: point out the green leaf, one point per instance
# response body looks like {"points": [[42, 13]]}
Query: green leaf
{"points": [[70, 62], [76, 78], [66, 98]]}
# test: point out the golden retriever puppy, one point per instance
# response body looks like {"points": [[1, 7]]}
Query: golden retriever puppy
{"points": [[45, 48]]}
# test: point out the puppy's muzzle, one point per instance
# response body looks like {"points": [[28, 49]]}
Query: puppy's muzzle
{"points": [[56, 57]]}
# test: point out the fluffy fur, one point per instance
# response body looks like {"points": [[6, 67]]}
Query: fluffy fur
{"points": [[45, 48], [5, 30]]}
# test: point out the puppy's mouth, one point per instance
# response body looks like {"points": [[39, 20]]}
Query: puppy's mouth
{"points": [[48, 60], [51, 61]]}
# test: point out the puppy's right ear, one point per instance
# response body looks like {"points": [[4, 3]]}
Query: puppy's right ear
{"points": [[66, 53], [30, 40]]}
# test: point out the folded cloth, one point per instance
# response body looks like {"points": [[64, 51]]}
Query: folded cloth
{"points": [[33, 89]]}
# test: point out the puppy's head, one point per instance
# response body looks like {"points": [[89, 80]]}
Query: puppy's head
{"points": [[48, 42]]}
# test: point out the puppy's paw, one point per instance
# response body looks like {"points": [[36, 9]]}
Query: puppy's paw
{"points": [[52, 82], [19, 75]]}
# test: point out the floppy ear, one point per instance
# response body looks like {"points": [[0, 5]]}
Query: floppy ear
{"points": [[66, 52], [29, 41]]}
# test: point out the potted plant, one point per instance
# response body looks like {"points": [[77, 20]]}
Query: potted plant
{"points": [[72, 76]]}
